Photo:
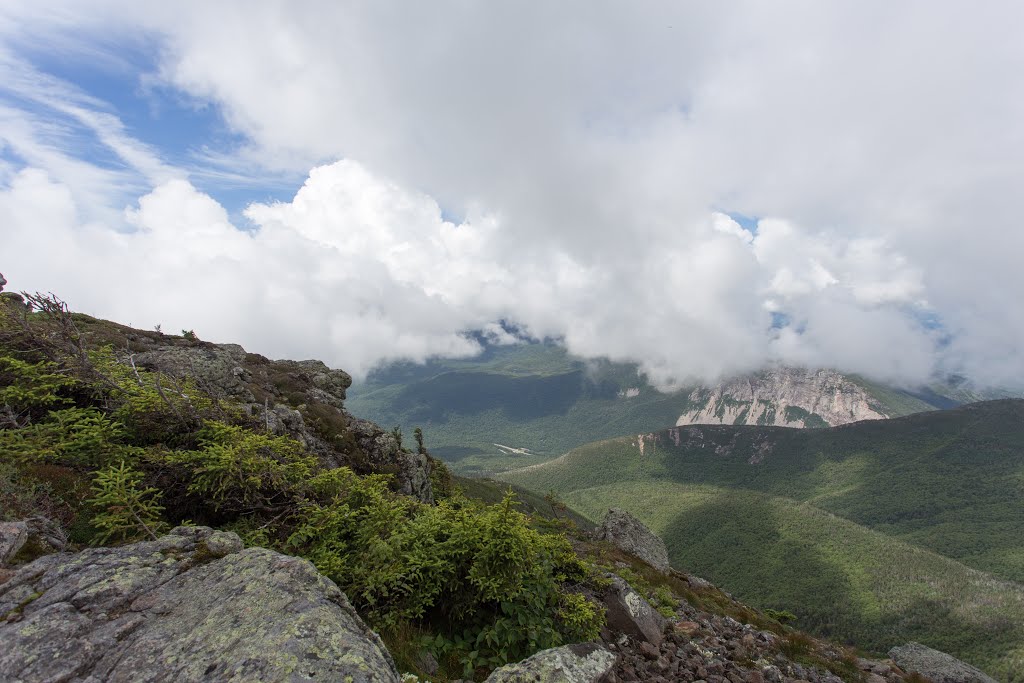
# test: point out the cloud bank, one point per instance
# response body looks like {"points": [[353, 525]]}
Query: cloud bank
{"points": [[571, 169]]}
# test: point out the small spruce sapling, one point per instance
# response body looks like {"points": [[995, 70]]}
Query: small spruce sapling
{"points": [[126, 511]]}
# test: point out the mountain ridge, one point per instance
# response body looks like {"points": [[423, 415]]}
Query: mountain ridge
{"points": [[539, 398]]}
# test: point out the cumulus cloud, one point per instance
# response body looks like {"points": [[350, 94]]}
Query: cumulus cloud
{"points": [[588, 154], [358, 270]]}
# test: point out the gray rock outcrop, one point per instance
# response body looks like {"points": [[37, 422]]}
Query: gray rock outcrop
{"points": [[217, 368], [631, 535], [190, 606], [936, 665], [580, 663], [629, 612]]}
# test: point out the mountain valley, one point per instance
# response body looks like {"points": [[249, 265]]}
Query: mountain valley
{"points": [[866, 531]]}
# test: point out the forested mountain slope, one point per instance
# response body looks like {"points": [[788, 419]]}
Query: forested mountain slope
{"points": [[873, 530]]}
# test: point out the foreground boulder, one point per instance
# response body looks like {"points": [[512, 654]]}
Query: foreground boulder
{"points": [[936, 665], [191, 606], [628, 612], [628, 533], [581, 663]]}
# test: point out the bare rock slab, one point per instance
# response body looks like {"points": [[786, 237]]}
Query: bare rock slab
{"points": [[936, 665], [191, 606]]}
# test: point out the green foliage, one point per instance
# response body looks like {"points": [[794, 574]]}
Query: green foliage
{"points": [[531, 396], [780, 615], [664, 602], [418, 435], [797, 646], [809, 419], [189, 335], [21, 495], [45, 425], [154, 408], [845, 581], [125, 510], [236, 469], [490, 584], [538, 507], [441, 480], [25, 385], [75, 436]]}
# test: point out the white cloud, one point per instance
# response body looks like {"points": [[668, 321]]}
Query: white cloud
{"points": [[589, 150]]}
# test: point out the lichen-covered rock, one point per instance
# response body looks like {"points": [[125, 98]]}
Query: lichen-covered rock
{"points": [[628, 612], [190, 606], [328, 385], [936, 665], [630, 534], [581, 663]]}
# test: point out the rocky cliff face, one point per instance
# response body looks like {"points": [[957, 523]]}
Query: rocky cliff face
{"points": [[785, 397]]}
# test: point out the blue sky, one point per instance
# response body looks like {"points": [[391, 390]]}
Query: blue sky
{"points": [[363, 182], [184, 132]]}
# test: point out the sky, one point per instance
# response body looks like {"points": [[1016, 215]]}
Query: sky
{"points": [[704, 188]]}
